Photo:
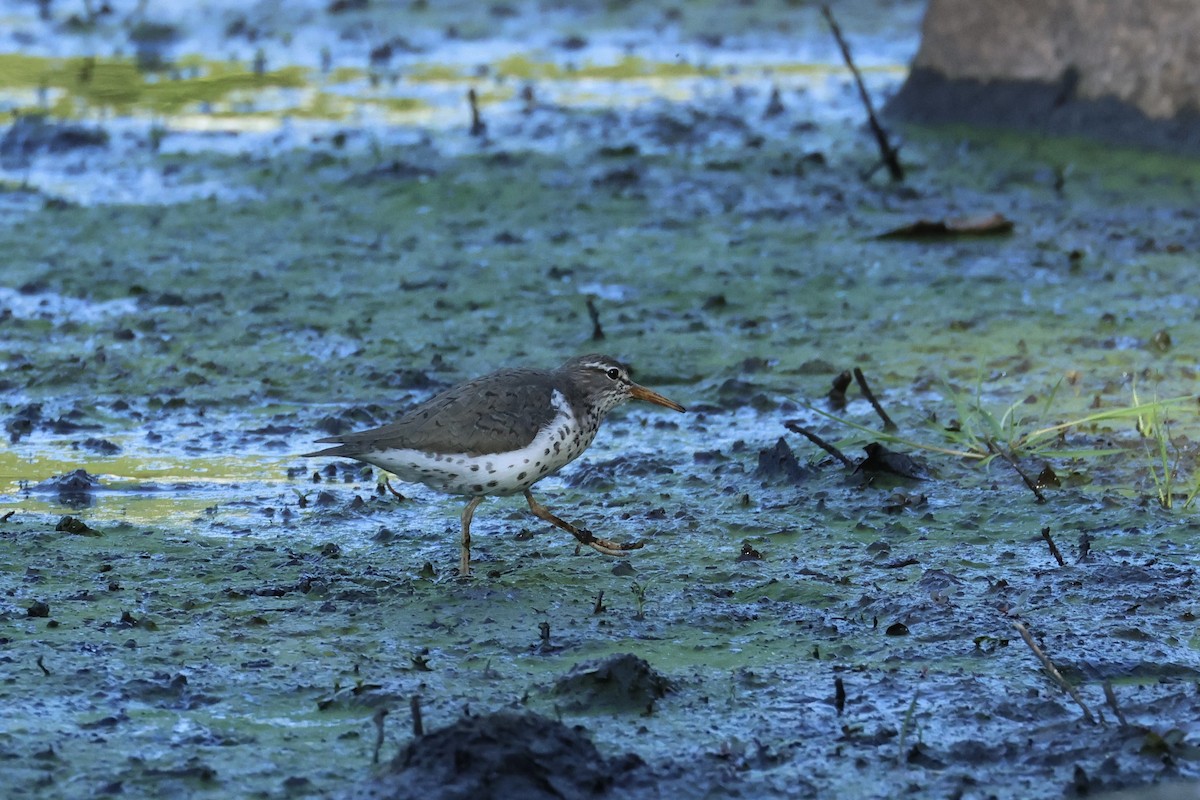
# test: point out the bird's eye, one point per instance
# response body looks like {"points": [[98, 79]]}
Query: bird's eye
{"points": [[613, 373]]}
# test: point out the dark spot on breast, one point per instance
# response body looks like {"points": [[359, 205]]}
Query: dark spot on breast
{"points": [[493, 484], [474, 468], [520, 476], [477, 487]]}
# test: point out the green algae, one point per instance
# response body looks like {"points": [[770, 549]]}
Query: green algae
{"points": [[78, 87], [82, 84], [630, 67]]}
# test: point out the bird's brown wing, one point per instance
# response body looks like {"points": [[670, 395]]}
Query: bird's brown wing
{"points": [[493, 414]]}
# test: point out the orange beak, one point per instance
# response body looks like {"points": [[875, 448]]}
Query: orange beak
{"points": [[650, 396]]}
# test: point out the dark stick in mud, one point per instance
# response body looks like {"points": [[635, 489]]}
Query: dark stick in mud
{"points": [[889, 156], [906, 727], [1053, 548], [1085, 546], [418, 726], [597, 331], [839, 695], [378, 720], [1110, 697], [478, 126], [1012, 462], [837, 392], [861, 379], [793, 425], [1052, 671]]}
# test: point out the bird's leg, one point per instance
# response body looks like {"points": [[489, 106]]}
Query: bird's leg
{"points": [[388, 485], [464, 565], [582, 534]]}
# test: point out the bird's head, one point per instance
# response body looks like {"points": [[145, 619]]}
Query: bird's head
{"points": [[604, 382]]}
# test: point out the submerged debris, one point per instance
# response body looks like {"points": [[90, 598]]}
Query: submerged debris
{"points": [[32, 134], [73, 489], [78, 527], [882, 460], [989, 224]]}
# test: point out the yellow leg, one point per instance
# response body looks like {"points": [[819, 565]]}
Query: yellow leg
{"points": [[464, 564], [582, 534], [388, 485]]}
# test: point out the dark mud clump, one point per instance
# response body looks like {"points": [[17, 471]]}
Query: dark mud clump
{"points": [[33, 134], [23, 422], [76, 526], [620, 683], [503, 755], [778, 464], [72, 489]]}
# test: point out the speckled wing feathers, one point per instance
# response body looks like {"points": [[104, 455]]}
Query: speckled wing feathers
{"points": [[496, 413]]}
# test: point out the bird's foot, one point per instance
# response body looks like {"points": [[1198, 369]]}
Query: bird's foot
{"points": [[582, 534], [608, 548], [388, 485]]}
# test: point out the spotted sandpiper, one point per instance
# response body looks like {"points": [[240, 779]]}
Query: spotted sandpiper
{"points": [[499, 434]]}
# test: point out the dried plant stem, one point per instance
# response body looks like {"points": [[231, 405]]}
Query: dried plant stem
{"points": [[888, 425], [889, 156], [792, 425], [1012, 462], [1053, 548], [1052, 670]]}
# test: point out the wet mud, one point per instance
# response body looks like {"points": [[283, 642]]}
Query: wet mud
{"points": [[188, 608]]}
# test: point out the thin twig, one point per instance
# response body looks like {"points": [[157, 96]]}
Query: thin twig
{"points": [[1110, 697], [1012, 462], [888, 154], [597, 331], [792, 425], [907, 726], [839, 695], [888, 425], [1052, 670], [1053, 548], [478, 126]]}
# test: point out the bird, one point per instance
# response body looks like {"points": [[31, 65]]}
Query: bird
{"points": [[499, 434]]}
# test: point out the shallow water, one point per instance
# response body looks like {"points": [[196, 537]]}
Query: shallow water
{"points": [[209, 298]]}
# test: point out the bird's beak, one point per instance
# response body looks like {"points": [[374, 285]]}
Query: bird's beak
{"points": [[642, 393]]}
